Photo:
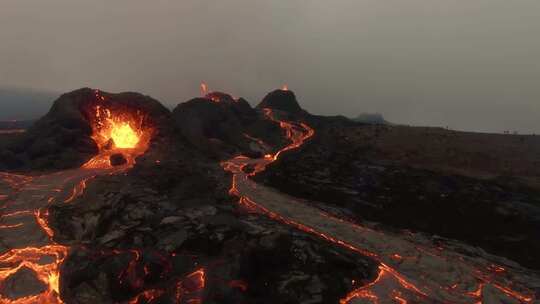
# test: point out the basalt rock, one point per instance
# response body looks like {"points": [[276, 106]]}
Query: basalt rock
{"points": [[22, 283], [118, 159], [282, 100], [220, 126]]}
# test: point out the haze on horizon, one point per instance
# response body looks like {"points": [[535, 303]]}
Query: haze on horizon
{"points": [[469, 65]]}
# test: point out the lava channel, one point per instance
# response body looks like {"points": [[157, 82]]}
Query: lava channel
{"points": [[409, 270]]}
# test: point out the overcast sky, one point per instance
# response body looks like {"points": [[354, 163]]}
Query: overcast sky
{"points": [[467, 64]]}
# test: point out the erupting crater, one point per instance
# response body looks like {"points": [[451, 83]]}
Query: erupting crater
{"points": [[121, 134]]}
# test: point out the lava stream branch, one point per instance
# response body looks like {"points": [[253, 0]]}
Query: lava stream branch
{"points": [[409, 272], [26, 233]]}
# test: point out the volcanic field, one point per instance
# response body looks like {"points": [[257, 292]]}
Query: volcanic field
{"points": [[112, 198]]}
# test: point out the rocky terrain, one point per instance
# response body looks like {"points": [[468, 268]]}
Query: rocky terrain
{"points": [[221, 127], [478, 188], [234, 204], [167, 229], [194, 225]]}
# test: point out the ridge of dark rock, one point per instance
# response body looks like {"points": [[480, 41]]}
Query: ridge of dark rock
{"points": [[222, 126], [283, 100]]}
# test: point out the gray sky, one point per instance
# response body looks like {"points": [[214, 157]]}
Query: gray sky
{"points": [[468, 64]]}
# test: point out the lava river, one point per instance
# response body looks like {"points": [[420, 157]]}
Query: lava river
{"points": [[411, 268], [26, 241]]}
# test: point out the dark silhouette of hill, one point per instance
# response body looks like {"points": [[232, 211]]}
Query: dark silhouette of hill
{"points": [[220, 126], [371, 118], [282, 100]]}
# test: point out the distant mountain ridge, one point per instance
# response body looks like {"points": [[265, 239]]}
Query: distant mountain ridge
{"points": [[371, 118], [24, 104], [16, 124]]}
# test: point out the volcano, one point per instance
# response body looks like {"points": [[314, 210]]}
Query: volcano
{"points": [[118, 129], [85, 127], [112, 198], [283, 100]]}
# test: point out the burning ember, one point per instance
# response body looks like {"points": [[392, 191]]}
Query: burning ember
{"points": [[117, 132]]}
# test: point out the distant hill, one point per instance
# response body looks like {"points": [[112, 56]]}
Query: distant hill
{"points": [[16, 124], [24, 104], [371, 118]]}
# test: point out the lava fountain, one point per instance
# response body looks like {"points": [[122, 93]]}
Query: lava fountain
{"points": [[117, 131]]}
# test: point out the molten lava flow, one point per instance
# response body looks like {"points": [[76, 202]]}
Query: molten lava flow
{"points": [[124, 137], [425, 265], [32, 258], [147, 296], [117, 132], [189, 289], [35, 251]]}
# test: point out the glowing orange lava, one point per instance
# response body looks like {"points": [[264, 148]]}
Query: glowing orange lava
{"points": [[123, 136], [114, 132]]}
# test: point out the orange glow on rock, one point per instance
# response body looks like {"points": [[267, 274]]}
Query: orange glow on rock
{"points": [[123, 132]]}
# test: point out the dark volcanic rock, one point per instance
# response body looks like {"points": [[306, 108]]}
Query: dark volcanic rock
{"points": [[118, 159], [221, 127], [62, 138], [245, 260], [220, 97], [346, 174], [21, 284], [281, 100], [155, 227]]}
